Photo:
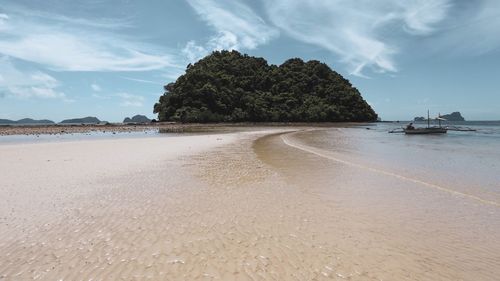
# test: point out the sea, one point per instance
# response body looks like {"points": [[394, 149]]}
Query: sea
{"points": [[464, 163], [428, 203]]}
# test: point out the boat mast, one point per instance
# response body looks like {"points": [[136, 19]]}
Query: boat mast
{"points": [[428, 119]]}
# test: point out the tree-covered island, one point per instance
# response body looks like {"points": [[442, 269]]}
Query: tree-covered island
{"points": [[227, 86]]}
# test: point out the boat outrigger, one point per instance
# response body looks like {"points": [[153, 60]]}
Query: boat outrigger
{"points": [[426, 131], [410, 130]]}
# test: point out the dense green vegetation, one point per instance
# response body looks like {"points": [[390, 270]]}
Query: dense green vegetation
{"points": [[227, 86]]}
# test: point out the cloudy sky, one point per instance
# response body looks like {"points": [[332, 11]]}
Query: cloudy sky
{"points": [[110, 58]]}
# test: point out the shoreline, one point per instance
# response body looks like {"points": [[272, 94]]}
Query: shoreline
{"points": [[161, 127]]}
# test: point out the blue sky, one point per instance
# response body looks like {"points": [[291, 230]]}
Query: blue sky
{"points": [[110, 58]]}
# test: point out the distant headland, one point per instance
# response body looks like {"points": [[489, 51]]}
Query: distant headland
{"points": [[455, 116], [137, 119], [227, 86], [89, 120], [25, 121], [84, 120]]}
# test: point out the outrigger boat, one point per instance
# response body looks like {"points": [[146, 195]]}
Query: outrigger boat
{"points": [[410, 130]]}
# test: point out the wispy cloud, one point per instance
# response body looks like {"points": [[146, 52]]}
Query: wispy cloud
{"points": [[129, 100], [357, 31], [52, 18], [3, 19], [95, 87], [193, 51], [140, 80], [61, 44], [236, 26], [28, 84], [99, 96], [472, 29]]}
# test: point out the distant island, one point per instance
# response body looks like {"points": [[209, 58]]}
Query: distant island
{"points": [[227, 86], [137, 119], [455, 116], [85, 120], [25, 121], [90, 120]]}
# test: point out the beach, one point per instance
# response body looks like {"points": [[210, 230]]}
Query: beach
{"points": [[268, 203]]}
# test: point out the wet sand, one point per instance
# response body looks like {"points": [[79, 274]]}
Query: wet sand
{"points": [[237, 206]]}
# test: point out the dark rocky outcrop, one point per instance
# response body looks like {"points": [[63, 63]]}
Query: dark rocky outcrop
{"points": [[25, 121], [455, 116], [85, 120], [33, 121], [7, 122], [137, 119]]}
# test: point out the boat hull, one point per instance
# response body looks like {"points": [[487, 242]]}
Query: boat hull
{"points": [[425, 131]]}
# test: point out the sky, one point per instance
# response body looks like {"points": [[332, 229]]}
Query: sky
{"points": [[110, 58]]}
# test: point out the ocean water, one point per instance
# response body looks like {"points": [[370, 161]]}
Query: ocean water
{"points": [[416, 207], [462, 163]]}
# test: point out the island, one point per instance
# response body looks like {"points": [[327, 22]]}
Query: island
{"points": [[228, 86], [455, 116], [137, 119], [26, 121], [85, 120]]}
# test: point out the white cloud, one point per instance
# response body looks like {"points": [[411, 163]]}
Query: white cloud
{"points": [[419, 16], [3, 19], [99, 96], [194, 52], [95, 87], [28, 84], [64, 45], [130, 100], [357, 31], [236, 25]]}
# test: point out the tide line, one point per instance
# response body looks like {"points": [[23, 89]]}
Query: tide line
{"points": [[312, 150]]}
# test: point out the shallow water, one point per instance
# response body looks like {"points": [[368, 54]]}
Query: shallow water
{"points": [[467, 163], [418, 207], [64, 137]]}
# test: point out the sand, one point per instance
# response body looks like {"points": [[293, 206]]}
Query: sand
{"points": [[238, 206]]}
